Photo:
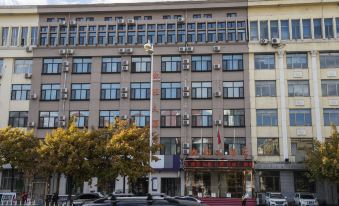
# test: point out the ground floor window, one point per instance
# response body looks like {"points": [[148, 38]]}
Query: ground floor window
{"points": [[170, 186], [8, 179], [302, 183], [269, 181]]}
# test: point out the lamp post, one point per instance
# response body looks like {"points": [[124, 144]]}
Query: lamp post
{"points": [[149, 50]]}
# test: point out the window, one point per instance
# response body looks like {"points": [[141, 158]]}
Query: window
{"points": [[15, 33], [201, 63], [18, 119], [141, 118], [111, 65], [234, 118], [307, 29], [285, 29], [4, 36], [208, 16], [170, 118], [80, 91], [231, 15], [265, 88], [8, 179], [170, 146], [108, 18], [20, 91], [330, 87], [81, 118], [147, 17], [51, 66], [328, 28], [23, 66], [268, 146], [107, 117], [317, 28], [50, 92], [89, 18], [177, 16], [300, 117], [331, 116], [110, 91], [141, 64], [166, 17], [170, 90], [302, 182], [233, 90], [1, 66], [274, 29], [263, 29], [337, 26], [82, 65], [196, 16], [232, 62], [254, 30], [329, 60], [296, 60], [24, 37], [50, 19], [300, 147], [202, 118], [236, 143], [267, 117], [296, 29], [34, 35], [140, 91], [264, 61], [171, 64], [298, 88], [202, 145], [269, 181], [48, 119], [201, 90]]}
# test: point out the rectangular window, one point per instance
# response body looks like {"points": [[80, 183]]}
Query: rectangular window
{"points": [[82, 65], [268, 146], [170, 90], [166, 17], [337, 26], [234, 118], [147, 17], [15, 33], [231, 15], [4, 36], [331, 116], [285, 29], [265, 88], [302, 183], [20, 91], [202, 118], [107, 117], [300, 117], [170, 146], [18, 119], [329, 60], [254, 30], [50, 92], [110, 91], [263, 29], [111, 65], [298, 88], [89, 18], [231, 29], [269, 181], [208, 16], [264, 61], [274, 29], [23, 66], [108, 18], [170, 118], [80, 91], [233, 90], [52, 66], [300, 147], [296, 61], [201, 63], [267, 117], [81, 118], [8, 179], [236, 144], [140, 91], [232, 62], [141, 118], [328, 28], [171, 64], [307, 32], [330, 88], [296, 29], [201, 90], [141, 64], [202, 145], [24, 36], [317, 28], [1, 66], [34, 35], [48, 120]]}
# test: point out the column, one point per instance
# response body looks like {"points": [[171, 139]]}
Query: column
{"points": [[316, 94]]}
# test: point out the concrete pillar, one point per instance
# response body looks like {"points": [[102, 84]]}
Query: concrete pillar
{"points": [[287, 184], [316, 94]]}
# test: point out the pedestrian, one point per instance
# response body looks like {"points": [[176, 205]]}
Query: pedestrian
{"points": [[244, 199], [55, 198]]}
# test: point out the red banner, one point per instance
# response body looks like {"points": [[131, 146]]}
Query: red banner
{"points": [[217, 164]]}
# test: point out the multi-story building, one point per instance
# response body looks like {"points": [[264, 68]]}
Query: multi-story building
{"points": [[18, 35], [293, 62]]}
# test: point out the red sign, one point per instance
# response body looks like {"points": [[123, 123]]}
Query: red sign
{"points": [[217, 164]]}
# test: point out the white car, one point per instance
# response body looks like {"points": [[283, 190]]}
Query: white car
{"points": [[275, 199], [305, 199]]}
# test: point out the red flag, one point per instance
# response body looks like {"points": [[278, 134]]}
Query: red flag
{"points": [[219, 138]]}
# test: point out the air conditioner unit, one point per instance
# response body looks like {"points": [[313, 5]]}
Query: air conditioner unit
{"points": [[73, 22], [31, 124], [181, 19], [186, 145], [186, 94], [216, 66], [263, 41], [186, 88], [217, 94], [62, 124], [124, 95], [64, 90], [186, 122], [122, 50], [186, 61], [186, 116], [182, 49], [124, 117], [70, 51], [217, 122], [28, 75], [63, 23], [129, 50], [125, 68], [65, 63], [29, 49], [189, 49], [124, 89], [62, 51], [130, 21], [216, 48], [64, 96], [186, 67], [62, 118], [33, 96], [121, 21], [275, 41], [185, 151], [65, 69], [125, 62]]}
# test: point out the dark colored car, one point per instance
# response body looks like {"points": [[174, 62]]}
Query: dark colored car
{"points": [[86, 197]]}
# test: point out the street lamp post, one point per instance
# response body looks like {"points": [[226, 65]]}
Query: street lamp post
{"points": [[149, 49]]}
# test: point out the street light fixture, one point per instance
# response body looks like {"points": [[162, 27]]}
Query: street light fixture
{"points": [[149, 50]]}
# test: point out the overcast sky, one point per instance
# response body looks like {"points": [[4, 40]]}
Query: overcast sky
{"points": [[42, 2]]}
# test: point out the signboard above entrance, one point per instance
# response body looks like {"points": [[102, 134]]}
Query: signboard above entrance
{"points": [[217, 164]]}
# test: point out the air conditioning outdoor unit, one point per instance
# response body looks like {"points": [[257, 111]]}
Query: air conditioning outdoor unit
{"points": [[130, 21], [275, 41], [189, 49], [64, 96], [186, 145], [217, 122], [62, 123], [63, 23], [65, 69], [28, 75], [186, 116], [72, 22], [121, 21], [217, 94], [185, 151], [182, 49], [216, 48], [216, 66], [62, 51], [65, 63], [181, 19], [124, 95], [70, 51], [186, 67], [264, 41], [186, 61], [186, 88], [186, 122], [29, 48], [124, 117], [185, 94], [125, 62], [129, 50], [125, 68], [122, 50], [62, 118], [31, 124], [33, 96], [124, 89]]}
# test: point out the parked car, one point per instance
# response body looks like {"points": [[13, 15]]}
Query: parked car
{"points": [[275, 199], [305, 199], [189, 198], [86, 197]]}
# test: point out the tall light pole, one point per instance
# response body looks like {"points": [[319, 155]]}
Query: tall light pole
{"points": [[149, 50]]}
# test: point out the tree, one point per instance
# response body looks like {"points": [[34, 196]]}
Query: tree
{"points": [[323, 160], [18, 147]]}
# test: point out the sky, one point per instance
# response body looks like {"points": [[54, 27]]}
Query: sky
{"points": [[44, 2]]}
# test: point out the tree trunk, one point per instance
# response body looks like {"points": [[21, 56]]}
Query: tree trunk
{"points": [[70, 189], [58, 182], [12, 178], [124, 185]]}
